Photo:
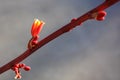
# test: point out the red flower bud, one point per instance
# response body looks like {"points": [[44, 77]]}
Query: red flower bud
{"points": [[27, 68], [101, 15]]}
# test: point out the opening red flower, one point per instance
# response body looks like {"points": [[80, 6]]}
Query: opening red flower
{"points": [[36, 27], [35, 30]]}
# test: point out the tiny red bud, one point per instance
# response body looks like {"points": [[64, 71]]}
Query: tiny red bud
{"points": [[27, 68], [101, 14]]}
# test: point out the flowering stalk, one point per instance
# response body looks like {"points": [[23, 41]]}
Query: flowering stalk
{"points": [[74, 22]]}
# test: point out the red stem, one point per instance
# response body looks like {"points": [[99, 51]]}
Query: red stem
{"points": [[57, 33]]}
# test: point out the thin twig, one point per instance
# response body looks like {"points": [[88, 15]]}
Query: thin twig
{"points": [[64, 29]]}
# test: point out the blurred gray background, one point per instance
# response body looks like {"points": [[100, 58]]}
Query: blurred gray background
{"points": [[89, 52]]}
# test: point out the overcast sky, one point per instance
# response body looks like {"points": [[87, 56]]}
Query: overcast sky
{"points": [[89, 52]]}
